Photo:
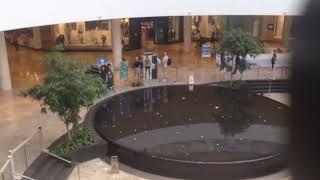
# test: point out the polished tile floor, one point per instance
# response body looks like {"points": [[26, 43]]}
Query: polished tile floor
{"points": [[26, 69]]}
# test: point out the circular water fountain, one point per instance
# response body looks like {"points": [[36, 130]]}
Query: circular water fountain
{"points": [[196, 133]]}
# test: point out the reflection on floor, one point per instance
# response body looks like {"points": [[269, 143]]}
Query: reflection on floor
{"points": [[26, 69]]}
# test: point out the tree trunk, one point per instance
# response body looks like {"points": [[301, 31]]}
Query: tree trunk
{"points": [[68, 132], [231, 71]]}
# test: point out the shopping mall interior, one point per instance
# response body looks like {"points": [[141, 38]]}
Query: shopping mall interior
{"points": [[192, 112], [84, 40], [137, 33]]}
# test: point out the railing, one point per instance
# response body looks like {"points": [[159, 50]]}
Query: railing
{"points": [[5, 171], [25, 153], [22, 156], [76, 164]]}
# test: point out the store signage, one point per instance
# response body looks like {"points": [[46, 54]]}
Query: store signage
{"points": [[206, 50], [101, 61]]}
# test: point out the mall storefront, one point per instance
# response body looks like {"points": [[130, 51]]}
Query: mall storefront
{"points": [[136, 32]]}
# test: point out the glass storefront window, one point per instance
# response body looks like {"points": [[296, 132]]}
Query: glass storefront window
{"points": [[173, 28], [125, 32]]}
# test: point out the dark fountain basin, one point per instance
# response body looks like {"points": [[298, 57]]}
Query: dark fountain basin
{"points": [[204, 133]]}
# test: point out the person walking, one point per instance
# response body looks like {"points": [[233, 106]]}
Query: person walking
{"points": [[273, 59], [103, 73], [109, 77], [223, 62], [104, 41], [165, 60], [137, 67], [237, 64], [147, 65]]}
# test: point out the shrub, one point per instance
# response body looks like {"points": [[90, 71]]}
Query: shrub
{"points": [[233, 84], [79, 138]]}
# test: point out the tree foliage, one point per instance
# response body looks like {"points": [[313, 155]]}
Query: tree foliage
{"points": [[66, 88], [237, 41]]}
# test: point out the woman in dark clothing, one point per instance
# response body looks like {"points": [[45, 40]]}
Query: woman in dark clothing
{"points": [[109, 76], [273, 59], [137, 67], [103, 72], [237, 64], [223, 62]]}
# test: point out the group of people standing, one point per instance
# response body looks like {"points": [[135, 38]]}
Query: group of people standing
{"points": [[226, 58], [141, 69], [107, 75]]}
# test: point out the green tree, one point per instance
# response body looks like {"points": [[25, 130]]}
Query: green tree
{"points": [[239, 42], [66, 88]]}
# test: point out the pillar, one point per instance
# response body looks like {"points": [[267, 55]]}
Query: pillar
{"points": [[5, 80], [187, 21], [116, 41]]}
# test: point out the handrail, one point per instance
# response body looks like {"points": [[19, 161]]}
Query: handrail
{"points": [[26, 177], [4, 166], [56, 156], [65, 160], [24, 142]]}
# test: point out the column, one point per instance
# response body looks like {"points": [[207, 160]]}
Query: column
{"points": [[5, 80], [187, 21], [116, 41]]}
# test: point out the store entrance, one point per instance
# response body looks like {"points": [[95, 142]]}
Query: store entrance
{"points": [[147, 33]]}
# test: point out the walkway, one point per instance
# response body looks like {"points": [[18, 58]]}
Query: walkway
{"points": [[97, 169], [26, 69]]}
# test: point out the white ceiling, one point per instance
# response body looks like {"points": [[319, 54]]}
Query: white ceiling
{"points": [[27, 13]]}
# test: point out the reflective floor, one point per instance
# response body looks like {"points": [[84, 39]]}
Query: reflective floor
{"points": [[26, 69], [206, 125]]}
